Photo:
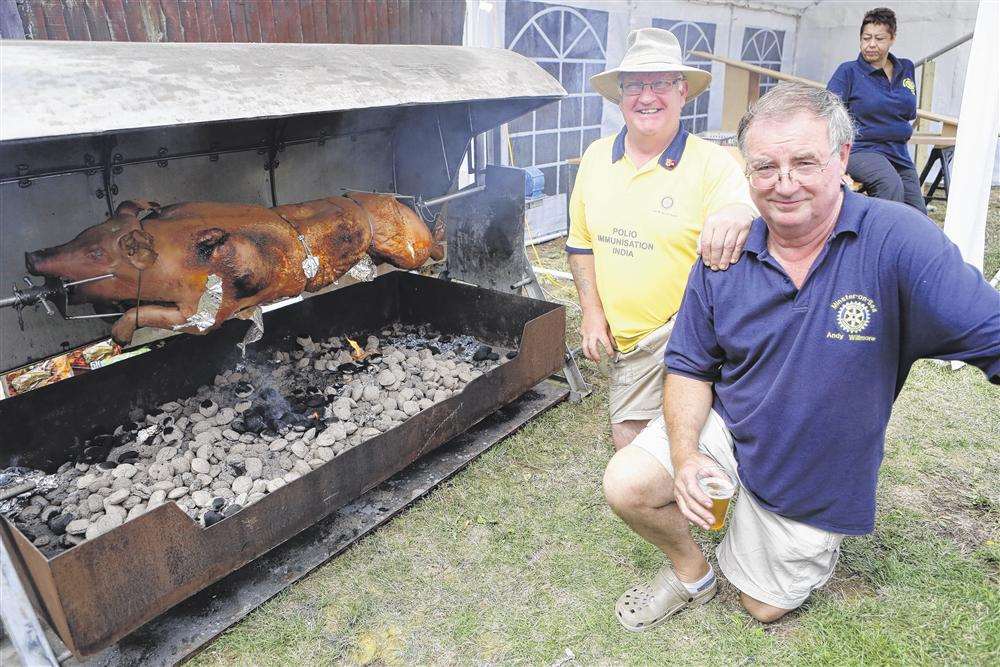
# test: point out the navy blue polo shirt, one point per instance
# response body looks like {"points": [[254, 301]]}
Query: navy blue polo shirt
{"points": [[805, 379], [881, 109]]}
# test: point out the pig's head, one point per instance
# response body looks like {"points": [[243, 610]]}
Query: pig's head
{"points": [[118, 246]]}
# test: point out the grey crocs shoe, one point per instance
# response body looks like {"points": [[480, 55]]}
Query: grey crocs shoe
{"points": [[646, 606]]}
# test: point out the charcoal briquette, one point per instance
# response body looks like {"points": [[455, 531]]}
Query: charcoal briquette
{"points": [[212, 517], [58, 523]]}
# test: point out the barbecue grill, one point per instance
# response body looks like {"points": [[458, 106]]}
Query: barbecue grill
{"points": [[88, 125]]}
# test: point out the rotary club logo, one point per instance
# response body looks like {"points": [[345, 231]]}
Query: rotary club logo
{"points": [[909, 85], [854, 315]]}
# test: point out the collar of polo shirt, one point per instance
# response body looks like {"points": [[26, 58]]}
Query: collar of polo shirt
{"points": [[868, 68], [848, 222], [668, 159]]}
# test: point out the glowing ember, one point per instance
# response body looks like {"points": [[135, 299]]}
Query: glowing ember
{"points": [[357, 353]]}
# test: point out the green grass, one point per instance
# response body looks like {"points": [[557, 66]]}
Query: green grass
{"points": [[517, 559]]}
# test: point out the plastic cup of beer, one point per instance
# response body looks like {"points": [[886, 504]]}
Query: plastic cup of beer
{"points": [[720, 486]]}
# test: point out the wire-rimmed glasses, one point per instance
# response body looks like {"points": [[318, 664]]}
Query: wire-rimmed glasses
{"points": [[804, 173], [660, 86]]}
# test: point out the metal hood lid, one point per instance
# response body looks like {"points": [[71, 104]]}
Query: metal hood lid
{"points": [[52, 89]]}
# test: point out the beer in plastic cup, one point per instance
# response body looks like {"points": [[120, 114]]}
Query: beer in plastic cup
{"points": [[718, 485]]}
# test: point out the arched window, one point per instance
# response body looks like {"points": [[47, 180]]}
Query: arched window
{"points": [[693, 37], [570, 44], [763, 46]]}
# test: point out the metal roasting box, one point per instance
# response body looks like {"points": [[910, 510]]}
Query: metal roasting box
{"points": [[99, 591], [90, 125]]}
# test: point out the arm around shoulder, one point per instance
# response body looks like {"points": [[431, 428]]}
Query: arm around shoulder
{"points": [[729, 214]]}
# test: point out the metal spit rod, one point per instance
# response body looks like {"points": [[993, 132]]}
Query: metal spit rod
{"points": [[41, 293], [93, 279], [455, 195]]}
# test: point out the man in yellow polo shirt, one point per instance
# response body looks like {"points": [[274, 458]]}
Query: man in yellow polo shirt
{"points": [[640, 203]]}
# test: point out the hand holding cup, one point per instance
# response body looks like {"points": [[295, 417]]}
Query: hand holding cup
{"points": [[719, 486]]}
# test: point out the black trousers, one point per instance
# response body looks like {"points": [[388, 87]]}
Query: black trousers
{"points": [[885, 180]]}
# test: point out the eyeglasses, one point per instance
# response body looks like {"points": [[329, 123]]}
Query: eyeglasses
{"points": [[635, 88], [804, 173]]}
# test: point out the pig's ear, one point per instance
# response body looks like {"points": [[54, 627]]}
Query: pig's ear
{"points": [[137, 248], [207, 240]]}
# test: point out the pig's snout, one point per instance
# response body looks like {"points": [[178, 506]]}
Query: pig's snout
{"points": [[32, 261]]}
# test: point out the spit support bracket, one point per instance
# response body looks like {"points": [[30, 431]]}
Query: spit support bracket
{"points": [[53, 295], [578, 387]]}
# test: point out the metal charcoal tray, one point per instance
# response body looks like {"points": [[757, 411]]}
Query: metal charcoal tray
{"points": [[99, 591]]}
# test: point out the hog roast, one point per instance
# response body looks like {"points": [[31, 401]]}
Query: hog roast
{"points": [[191, 266]]}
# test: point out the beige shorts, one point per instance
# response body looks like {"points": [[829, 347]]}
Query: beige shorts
{"points": [[635, 383], [769, 557]]}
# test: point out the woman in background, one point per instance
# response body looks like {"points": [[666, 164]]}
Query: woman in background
{"points": [[879, 92]]}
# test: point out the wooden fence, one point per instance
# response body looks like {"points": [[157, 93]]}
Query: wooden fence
{"points": [[305, 21]]}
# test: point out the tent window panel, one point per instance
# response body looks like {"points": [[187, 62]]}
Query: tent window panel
{"points": [[524, 123], [571, 112], [547, 118], [693, 36], [522, 147], [567, 176], [551, 183], [763, 47], [569, 145], [575, 39], [572, 77], [546, 148], [593, 107]]}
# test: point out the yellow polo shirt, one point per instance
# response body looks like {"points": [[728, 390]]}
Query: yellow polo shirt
{"points": [[642, 225]]}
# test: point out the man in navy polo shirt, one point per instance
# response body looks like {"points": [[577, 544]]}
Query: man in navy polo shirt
{"points": [[783, 370], [880, 94]]}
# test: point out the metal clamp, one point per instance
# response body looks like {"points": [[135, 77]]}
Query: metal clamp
{"points": [[53, 292], [22, 172]]}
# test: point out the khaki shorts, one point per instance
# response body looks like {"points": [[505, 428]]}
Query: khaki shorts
{"points": [[635, 383], [769, 557]]}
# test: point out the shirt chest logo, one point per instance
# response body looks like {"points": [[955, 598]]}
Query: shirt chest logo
{"points": [[853, 316], [667, 203], [909, 85]]}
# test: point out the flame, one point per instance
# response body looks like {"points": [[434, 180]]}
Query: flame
{"points": [[357, 354]]}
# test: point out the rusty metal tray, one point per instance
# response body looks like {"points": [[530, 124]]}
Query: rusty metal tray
{"points": [[98, 592]]}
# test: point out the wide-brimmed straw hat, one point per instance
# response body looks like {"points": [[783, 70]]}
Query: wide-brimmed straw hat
{"points": [[650, 50]]}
